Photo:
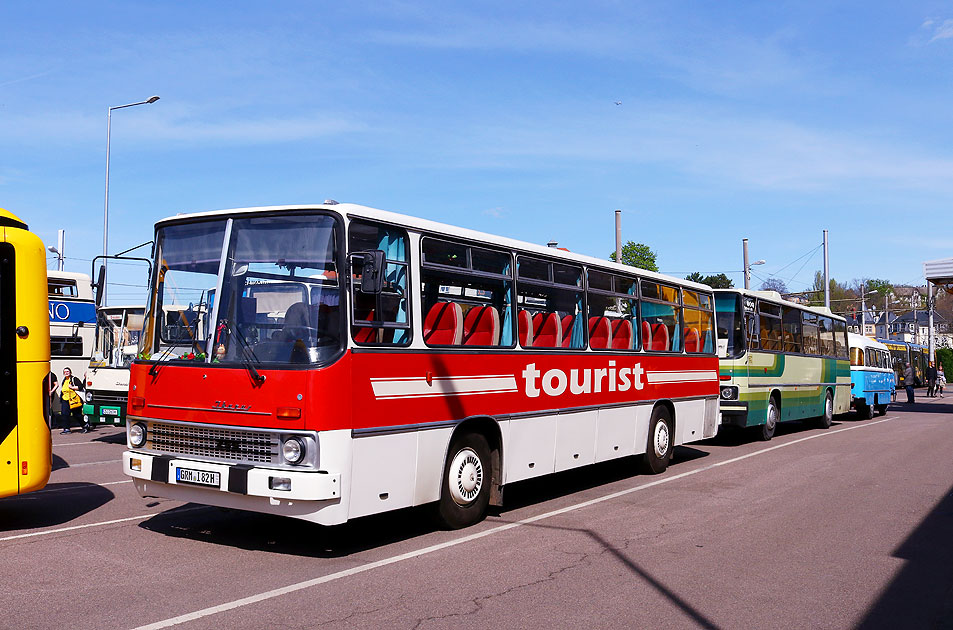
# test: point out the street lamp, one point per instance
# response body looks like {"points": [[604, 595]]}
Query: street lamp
{"points": [[863, 307], [60, 249], [109, 113], [747, 265]]}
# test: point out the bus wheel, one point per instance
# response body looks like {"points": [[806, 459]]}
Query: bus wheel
{"points": [[825, 420], [465, 491], [866, 412], [771, 420], [658, 451], [881, 410]]}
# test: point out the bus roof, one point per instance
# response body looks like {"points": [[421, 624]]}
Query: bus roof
{"points": [[358, 211], [860, 341], [84, 288], [775, 297]]}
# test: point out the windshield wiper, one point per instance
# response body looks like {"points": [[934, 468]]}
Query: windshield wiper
{"points": [[246, 350]]}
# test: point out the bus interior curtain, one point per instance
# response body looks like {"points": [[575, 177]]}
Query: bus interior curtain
{"points": [[506, 326], [394, 246], [577, 340]]}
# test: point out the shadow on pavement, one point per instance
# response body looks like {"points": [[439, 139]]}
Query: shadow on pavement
{"points": [[52, 505], [111, 438], [936, 405], [277, 534], [58, 462], [921, 595]]}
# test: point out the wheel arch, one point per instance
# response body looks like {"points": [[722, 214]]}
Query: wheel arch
{"points": [[489, 428]]}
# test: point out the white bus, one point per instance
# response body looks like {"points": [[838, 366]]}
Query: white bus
{"points": [[72, 322], [425, 364], [107, 378]]}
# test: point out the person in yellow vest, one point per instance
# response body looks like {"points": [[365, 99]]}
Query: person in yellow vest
{"points": [[71, 400]]}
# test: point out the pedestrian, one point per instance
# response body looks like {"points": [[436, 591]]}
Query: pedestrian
{"points": [[908, 381], [71, 401], [940, 379], [931, 380]]}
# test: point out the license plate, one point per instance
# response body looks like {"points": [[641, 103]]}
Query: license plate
{"points": [[199, 477], [107, 411]]}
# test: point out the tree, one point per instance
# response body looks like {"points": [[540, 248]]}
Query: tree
{"points": [[839, 292], [774, 284], [715, 281], [882, 287], [637, 255]]}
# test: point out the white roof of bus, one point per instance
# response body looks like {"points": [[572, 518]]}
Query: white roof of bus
{"points": [[84, 288], [774, 296], [448, 230], [859, 341]]}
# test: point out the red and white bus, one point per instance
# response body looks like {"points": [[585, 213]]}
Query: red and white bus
{"points": [[331, 361]]}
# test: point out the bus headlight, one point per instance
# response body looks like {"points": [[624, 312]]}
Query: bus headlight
{"points": [[293, 450], [137, 434], [729, 392], [89, 397]]}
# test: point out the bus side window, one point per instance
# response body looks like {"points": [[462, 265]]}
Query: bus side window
{"points": [[381, 318]]}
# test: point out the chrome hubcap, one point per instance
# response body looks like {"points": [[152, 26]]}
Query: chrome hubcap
{"points": [[661, 439], [465, 476]]}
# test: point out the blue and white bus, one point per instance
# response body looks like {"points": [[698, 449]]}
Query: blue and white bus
{"points": [[72, 322], [872, 382]]}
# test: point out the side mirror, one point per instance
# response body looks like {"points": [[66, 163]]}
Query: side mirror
{"points": [[371, 265]]}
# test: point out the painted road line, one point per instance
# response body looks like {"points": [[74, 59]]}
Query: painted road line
{"points": [[99, 524], [278, 592]]}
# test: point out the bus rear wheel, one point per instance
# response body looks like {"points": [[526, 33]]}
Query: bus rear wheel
{"points": [[658, 450], [465, 490], [865, 411]]}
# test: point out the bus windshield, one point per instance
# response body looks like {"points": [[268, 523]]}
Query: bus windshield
{"points": [[279, 298], [118, 328], [730, 320]]}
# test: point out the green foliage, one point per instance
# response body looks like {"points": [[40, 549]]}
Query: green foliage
{"points": [[715, 281], [839, 292], [944, 357], [637, 255], [882, 287]]}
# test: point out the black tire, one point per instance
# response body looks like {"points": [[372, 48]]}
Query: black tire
{"points": [[659, 445], [866, 412], [467, 478], [825, 420], [772, 416], [881, 410]]}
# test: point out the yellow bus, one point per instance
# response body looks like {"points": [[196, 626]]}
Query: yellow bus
{"points": [[25, 443]]}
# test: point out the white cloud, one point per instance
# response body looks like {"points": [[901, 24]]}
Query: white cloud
{"points": [[495, 213], [943, 31]]}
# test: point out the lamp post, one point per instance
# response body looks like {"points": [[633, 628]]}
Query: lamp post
{"points": [[60, 249], [863, 307], [109, 113], [747, 266]]}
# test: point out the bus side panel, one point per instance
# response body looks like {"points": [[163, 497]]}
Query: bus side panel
{"points": [[35, 460], [32, 303]]}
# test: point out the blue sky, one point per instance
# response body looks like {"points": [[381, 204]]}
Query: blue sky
{"points": [[771, 121]]}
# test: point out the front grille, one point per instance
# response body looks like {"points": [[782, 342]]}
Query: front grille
{"points": [[101, 398], [253, 447]]}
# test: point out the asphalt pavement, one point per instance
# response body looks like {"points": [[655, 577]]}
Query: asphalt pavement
{"points": [[848, 527]]}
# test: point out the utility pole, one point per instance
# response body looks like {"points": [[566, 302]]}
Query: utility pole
{"points": [[827, 278], [931, 342], [747, 267], [618, 236]]}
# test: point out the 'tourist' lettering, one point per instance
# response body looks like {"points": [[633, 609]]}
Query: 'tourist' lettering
{"points": [[587, 381]]}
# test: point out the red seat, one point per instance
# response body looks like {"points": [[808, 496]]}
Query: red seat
{"points": [[567, 322], [692, 340], [481, 327], [600, 333], [621, 334], [525, 325], [660, 339], [550, 333], [646, 336], [443, 325], [365, 334]]}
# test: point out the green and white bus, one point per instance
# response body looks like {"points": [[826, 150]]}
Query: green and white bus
{"points": [[779, 361]]}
